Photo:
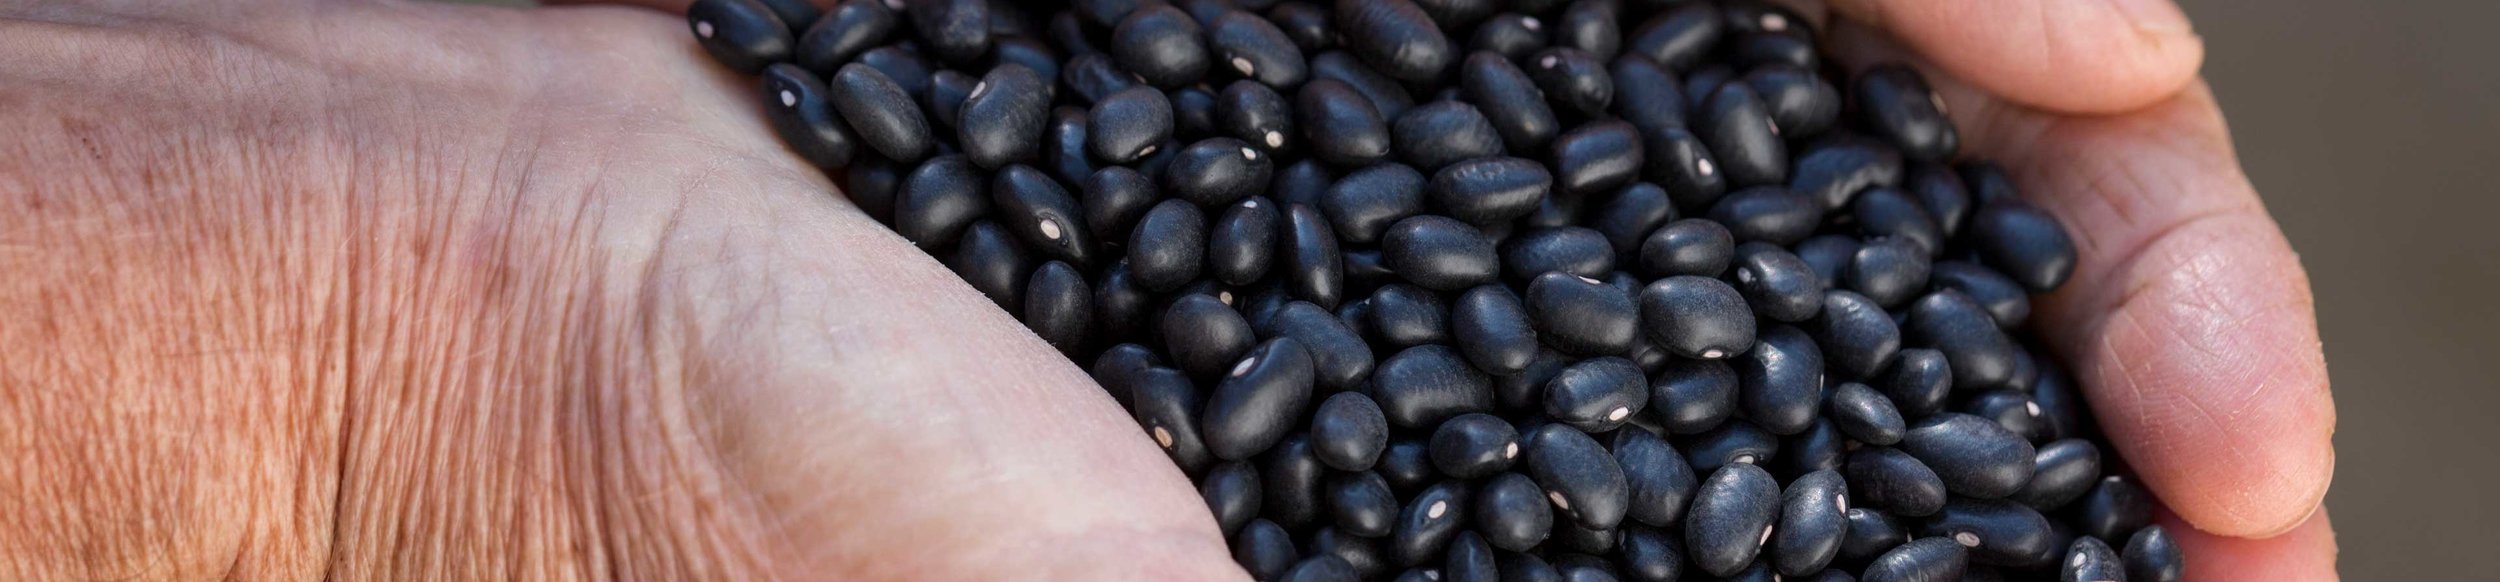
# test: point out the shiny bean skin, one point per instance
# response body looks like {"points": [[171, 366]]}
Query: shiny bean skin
{"points": [[1316, 270], [1578, 476], [1973, 456], [1688, 247], [1490, 190], [1291, 472], [1779, 286], [1042, 214], [1870, 533], [1596, 157], [1168, 247], [1661, 482], [881, 113], [1921, 560], [1738, 128], [1469, 559], [1734, 442], [1322, 568], [850, 28], [1679, 37], [1570, 250], [1820, 447], [1772, 214], [1404, 315], [1342, 126], [1440, 253], [803, 116], [1349, 432], [1166, 407], [1800, 102], [1361, 504], [1232, 493], [1948, 321], [1834, 171], [1385, 94], [1630, 215], [1573, 81], [1866, 415], [2151, 556], [1430, 520], [1781, 380], [989, 258], [744, 35], [1858, 338], [1891, 480], [1162, 45], [1697, 317], [1651, 555], [1407, 464], [1693, 396], [2114, 509], [1264, 549], [1597, 394], [1919, 382], [1058, 306], [1437, 134], [1510, 100], [1424, 385], [1363, 204], [1813, 519], [1997, 532], [1217, 171], [1129, 124], [1490, 325], [1890, 271], [1884, 212], [1582, 316], [1397, 37], [1256, 49], [1895, 102], [2025, 243], [1731, 517], [1512, 512]]}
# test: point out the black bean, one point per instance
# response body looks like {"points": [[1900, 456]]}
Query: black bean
{"points": [[1349, 432], [1363, 204], [2024, 243], [1692, 396], [1361, 504], [1593, 26], [944, 103], [804, 119], [1428, 523], [1988, 182], [1894, 101], [1829, 254], [1942, 193], [1322, 568], [1582, 316], [1441, 133], [2062, 471], [1166, 407], [1343, 127], [1292, 473], [1256, 49], [901, 63], [1511, 512], [1679, 37], [1003, 119], [1397, 37], [1161, 45], [1243, 244], [1919, 382], [1661, 482], [1118, 367], [1738, 128], [881, 113], [1207, 338], [1974, 457], [1773, 214], [2006, 301], [2152, 557], [871, 182], [1064, 147], [958, 31], [1782, 380], [1254, 113], [1812, 521], [2011, 409], [1833, 171], [1042, 214], [1651, 555], [1407, 464], [1094, 77], [1339, 356], [1889, 271], [1121, 308], [1733, 442], [1870, 533], [1858, 338], [1510, 100], [1573, 80], [1676, 159], [1697, 317], [1570, 250], [1578, 476], [1168, 247], [1384, 93], [1692, 246], [1923, 560], [1058, 306], [1193, 111], [1758, 50], [1895, 482], [1584, 543], [1865, 415], [2089, 560], [1364, 269], [743, 35], [1218, 171], [1820, 447], [1981, 355], [1307, 24], [1527, 568], [1629, 217], [1264, 549], [1316, 272], [1997, 532], [1800, 102], [2114, 509], [1597, 394], [1405, 315], [1490, 326], [1128, 124], [1512, 36], [1526, 389], [1232, 493], [1473, 445], [1490, 190], [1777, 284], [1596, 157], [1890, 213], [2061, 408], [1439, 253], [1424, 385], [1731, 518], [1303, 182], [990, 259]]}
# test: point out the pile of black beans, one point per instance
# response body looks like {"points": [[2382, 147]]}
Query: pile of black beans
{"points": [[1478, 289]]}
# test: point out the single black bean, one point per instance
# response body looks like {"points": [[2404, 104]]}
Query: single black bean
{"points": [[1232, 493], [1315, 271], [1834, 170], [1820, 447], [2010, 408], [1759, 50], [2006, 301], [1974, 456], [1998, 532], [1919, 382], [1582, 316], [1042, 214], [1469, 559], [903, 64], [1870, 533], [1517, 567], [1680, 37], [1738, 128], [1118, 367], [1570, 250], [1982, 356], [1731, 518], [1800, 102], [1441, 133], [1894, 101], [1254, 113], [2151, 556], [1733, 442], [1264, 549], [1866, 415], [1303, 182], [804, 118], [1511, 512], [1095, 77], [1923, 560], [1773, 214], [1661, 481], [744, 35], [1813, 519], [881, 113], [1440, 253], [2023, 242], [1829, 254], [1578, 476], [1397, 37], [1629, 217], [2114, 509], [1339, 356], [1168, 247], [1122, 309], [1207, 338], [1349, 432], [872, 181], [1292, 473], [1677, 160], [1193, 111], [1360, 504], [1891, 213], [1407, 464], [1064, 147], [1491, 190], [1697, 317], [1526, 389], [1593, 27], [1058, 306], [1429, 522], [1166, 407], [1128, 124], [1243, 244], [1858, 338], [1490, 325], [1217, 171], [2062, 413], [1003, 119], [1365, 202], [1781, 379], [1895, 482], [1777, 284], [1474, 445], [2062, 471], [958, 31], [1942, 193], [1322, 568], [1510, 100], [1651, 555], [1256, 49], [1692, 396], [1596, 157], [1511, 35], [1692, 246], [1424, 385], [994, 263], [1031, 52], [1365, 269], [944, 102], [1573, 80], [1651, 99], [1161, 45], [1384, 93], [2089, 560], [851, 28], [1404, 315], [1307, 24], [1597, 394], [1343, 127], [1889, 271]]}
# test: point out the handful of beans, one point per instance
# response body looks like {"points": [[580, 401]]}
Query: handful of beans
{"points": [[1483, 289]]}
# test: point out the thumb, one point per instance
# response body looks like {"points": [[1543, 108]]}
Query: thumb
{"points": [[2071, 56]]}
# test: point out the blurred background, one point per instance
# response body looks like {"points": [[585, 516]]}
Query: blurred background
{"points": [[2373, 130]]}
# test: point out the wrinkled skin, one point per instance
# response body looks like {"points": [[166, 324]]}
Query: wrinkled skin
{"points": [[381, 289]]}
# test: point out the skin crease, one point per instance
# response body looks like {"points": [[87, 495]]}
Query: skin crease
{"points": [[395, 290]]}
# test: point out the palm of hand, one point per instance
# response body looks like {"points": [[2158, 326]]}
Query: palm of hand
{"points": [[674, 349]]}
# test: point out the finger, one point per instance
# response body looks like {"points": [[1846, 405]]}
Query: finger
{"points": [[2188, 318], [2094, 56], [2305, 554]]}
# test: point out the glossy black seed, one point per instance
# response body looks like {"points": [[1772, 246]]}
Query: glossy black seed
{"points": [[1697, 317], [1489, 190], [1405, 315], [2061, 472], [1441, 133], [1243, 244], [1058, 306], [1232, 493], [1384, 93], [1407, 464], [1597, 394], [1573, 80], [1733, 442], [1813, 519], [1866, 415], [1426, 384], [1003, 119], [1512, 513], [1761, 50], [743, 35], [1996, 531], [1772, 214], [1121, 308], [1650, 98], [1890, 213], [1041, 214], [871, 182], [1343, 127], [1857, 337], [1821, 447], [1800, 102], [1651, 555], [1349, 432], [1829, 254], [1339, 356], [903, 64], [1896, 104], [2024, 243], [1322, 568], [1128, 124], [1782, 380], [1397, 37], [797, 105], [1779, 285], [1469, 446], [1592, 26], [994, 263], [1527, 568], [1981, 355], [1630, 216], [1730, 518], [1168, 247], [1578, 476], [2062, 413], [1469, 559], [1510, 100], [1889, 271], [1526, 389], [1208, 339], [1193, 111], [1512, 36], [1094, 77], [1835, 170], [1919, 382], [1369, 559], [1429, 522], [2005, 300], [1064, 148], [1582, 316], [1693, 396], [1570, 250], [1895, 482], [1360, 504], [1264, 549], [2114, 509], [944, 103], [1291, 474], [2011, 409], [1490, 325], [1738, 129], [2089, 560], [957, 31], [1974, 456], [1161, 44], [1307, 24], [1303, 182], [1254, 113], [1692, 246], [1660, 481], [1940, 191], [1255, 49], [2151, 556], [1679, 37], [1582, 544], [1922, 560], [1677, 160], [1316, 272], [1118, 367], [1987, 181], [1363, 204], [1870, 533], [881, 113], [1165, 405], [1115, 198], [1596, 157], [1217, 171], [1439, 253], [1364, 269]]}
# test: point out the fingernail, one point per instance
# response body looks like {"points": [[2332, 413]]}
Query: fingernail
{"points": [[2154, 16]]}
